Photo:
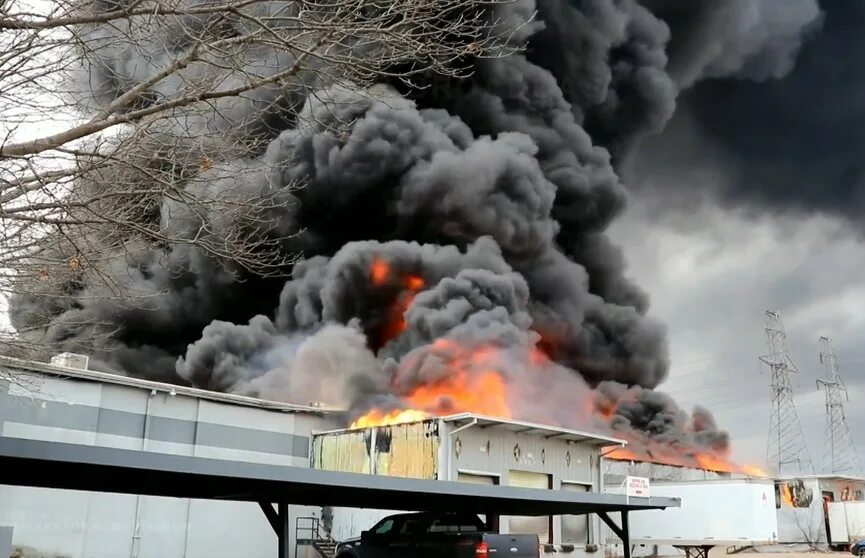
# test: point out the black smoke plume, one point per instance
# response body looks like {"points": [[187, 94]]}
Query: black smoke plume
{"points": [[471, 213], [790, 144]]}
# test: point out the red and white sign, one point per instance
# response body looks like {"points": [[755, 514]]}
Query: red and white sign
{"points": [[637, 486]]}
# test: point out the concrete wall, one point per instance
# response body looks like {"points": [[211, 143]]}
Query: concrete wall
{"points": [[77, 524], [615, 472]]}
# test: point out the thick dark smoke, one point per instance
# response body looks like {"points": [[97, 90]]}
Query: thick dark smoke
{"points": [[791, 144], [436, 224]]}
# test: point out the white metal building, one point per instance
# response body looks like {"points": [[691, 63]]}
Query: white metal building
{"points": [[820, 509], [475, 449], [53, 403]]}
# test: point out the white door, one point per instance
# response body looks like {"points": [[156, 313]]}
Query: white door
{"points": [[539, 526]]}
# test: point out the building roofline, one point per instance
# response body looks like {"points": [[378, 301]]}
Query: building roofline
{"points": [[514, 426], [519, 426], [109, 378]]}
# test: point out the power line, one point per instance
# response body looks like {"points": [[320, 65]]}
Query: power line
{"points": [[840, 455], [786, 449]]}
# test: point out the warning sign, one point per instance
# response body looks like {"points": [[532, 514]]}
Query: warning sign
{"points": [[637, 486]]}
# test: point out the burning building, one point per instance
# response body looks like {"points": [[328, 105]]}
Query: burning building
{"points": [[820, 510], [480, 450], [454, 253]]}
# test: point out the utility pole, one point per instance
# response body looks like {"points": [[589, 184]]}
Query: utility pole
{"points": [[786, 449], [840, 456]]}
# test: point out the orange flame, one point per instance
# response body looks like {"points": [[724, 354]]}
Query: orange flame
{"points": [[667, 455], [786, 495], [379, 272], [378, 418], [473, 383], [404, 288]]}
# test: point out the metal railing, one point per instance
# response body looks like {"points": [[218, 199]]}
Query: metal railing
{"points": [[308, 531]]}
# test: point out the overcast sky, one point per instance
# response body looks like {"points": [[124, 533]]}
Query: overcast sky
{"points": [[713, 273]]}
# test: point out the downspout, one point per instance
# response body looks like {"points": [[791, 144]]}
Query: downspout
{"points": [[450, 445], [136, 527]]}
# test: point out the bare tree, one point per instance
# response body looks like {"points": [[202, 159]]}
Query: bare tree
{"points": [[134, 129]]}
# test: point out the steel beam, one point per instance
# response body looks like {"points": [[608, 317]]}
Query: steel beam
{"points": [[622, 532], [284, 534], [271, 515], [278, 520]]}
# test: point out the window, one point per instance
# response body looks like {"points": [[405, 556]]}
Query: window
{"points": [[384, 527], [411, 527], [575, 528]]}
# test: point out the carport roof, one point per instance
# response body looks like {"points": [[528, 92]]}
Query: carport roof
{"points": [[101, 469]]}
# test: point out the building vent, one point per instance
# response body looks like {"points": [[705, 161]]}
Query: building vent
{"points": [[71, 360]]}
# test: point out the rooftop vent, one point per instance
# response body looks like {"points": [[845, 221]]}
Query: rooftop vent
{"points": [[71, 360]]}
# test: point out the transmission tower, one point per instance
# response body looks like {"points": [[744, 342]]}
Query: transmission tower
{"points": [[786, 450], [840, 454]]}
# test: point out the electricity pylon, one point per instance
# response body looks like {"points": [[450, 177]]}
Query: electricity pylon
{"points": [[786, 450], [840, 456]]}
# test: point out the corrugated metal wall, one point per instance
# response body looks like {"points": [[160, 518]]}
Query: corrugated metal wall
{"points": [[78, 524], [495, 451], [404, 450]]}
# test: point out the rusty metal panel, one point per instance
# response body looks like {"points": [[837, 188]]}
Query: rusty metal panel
{"points": [[343, 451], [408, 450], [404, 450]]}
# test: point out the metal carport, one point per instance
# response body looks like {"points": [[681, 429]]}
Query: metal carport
{"points": [[102, 469]]}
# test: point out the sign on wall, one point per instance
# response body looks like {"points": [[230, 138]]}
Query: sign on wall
{"points": [[637, 487]]}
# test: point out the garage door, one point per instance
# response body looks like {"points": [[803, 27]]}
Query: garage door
{"points": [[476, 479], [479, 479], [537, 525], [575, 528]]}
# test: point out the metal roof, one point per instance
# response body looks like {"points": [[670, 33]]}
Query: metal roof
{"points": [[522, 427], [515, 426], [105, 377], [102, 469]]}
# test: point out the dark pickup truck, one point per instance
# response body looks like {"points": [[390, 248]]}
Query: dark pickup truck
{"points": [[429, 535]]}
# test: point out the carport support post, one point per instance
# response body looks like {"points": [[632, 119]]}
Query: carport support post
{"points": [[622, 532], [278, 520]]}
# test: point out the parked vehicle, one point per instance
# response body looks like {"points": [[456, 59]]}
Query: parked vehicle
{"points": [[430, 535], [858, 548]]}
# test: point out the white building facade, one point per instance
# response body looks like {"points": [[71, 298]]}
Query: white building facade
{"points": [[51, 403]]}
